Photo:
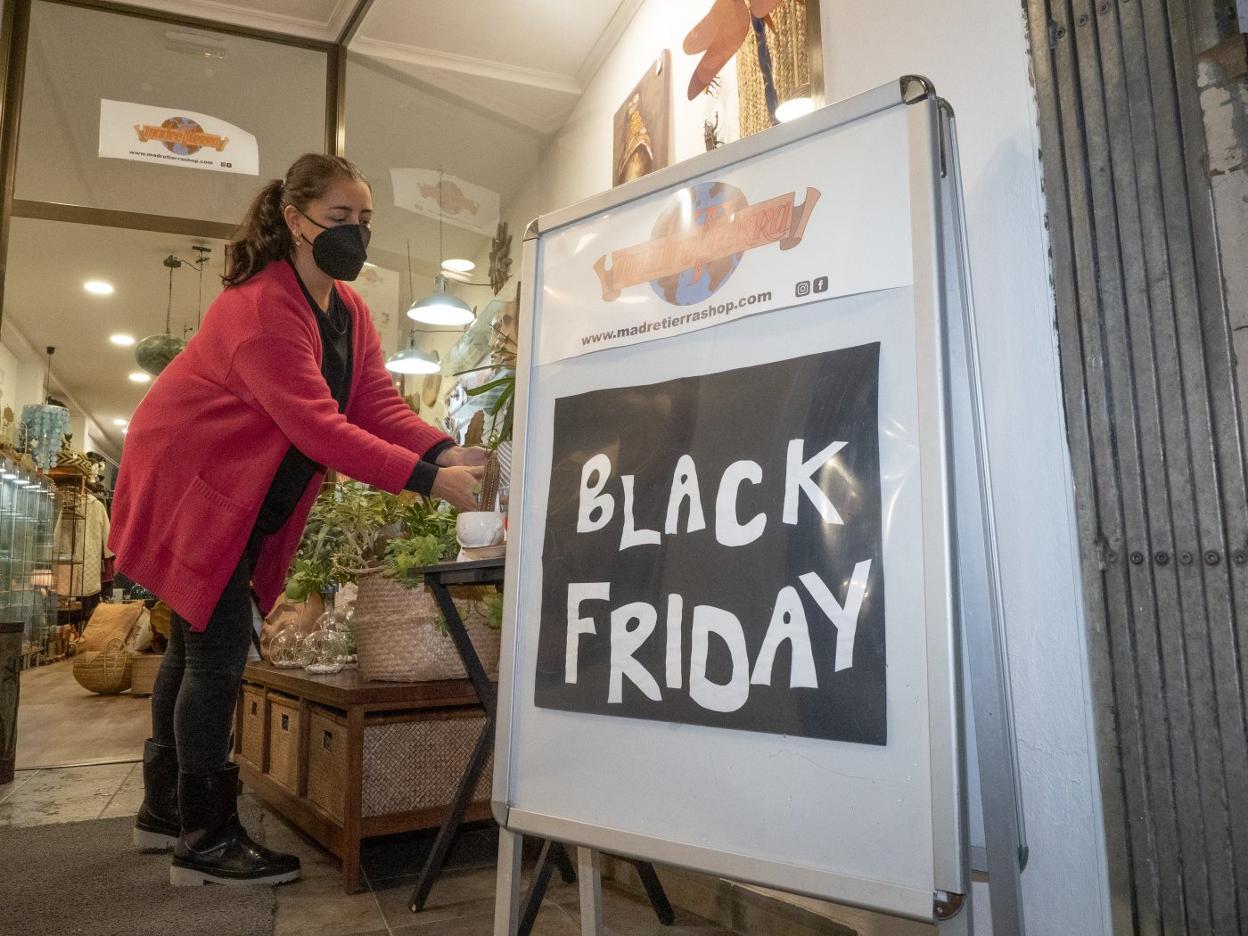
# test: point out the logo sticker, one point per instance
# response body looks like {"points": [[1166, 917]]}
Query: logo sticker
{"points": [[182, 136], [699, 241]]}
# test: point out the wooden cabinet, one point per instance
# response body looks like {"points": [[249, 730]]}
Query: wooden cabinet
{"points": [[345, 759]]}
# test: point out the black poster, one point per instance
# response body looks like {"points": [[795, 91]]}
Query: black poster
{"points": [[713, 551]]}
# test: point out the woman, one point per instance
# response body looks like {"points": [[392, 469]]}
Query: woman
{"points": [[223, 460]]}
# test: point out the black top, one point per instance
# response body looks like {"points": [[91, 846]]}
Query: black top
{"points": [[296, 469]]}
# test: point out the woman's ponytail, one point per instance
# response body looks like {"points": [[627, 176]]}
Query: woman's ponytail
{"points": [[264, 235]]}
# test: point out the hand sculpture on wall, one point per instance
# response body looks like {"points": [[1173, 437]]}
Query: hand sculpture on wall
{"points": [[718, 35]]}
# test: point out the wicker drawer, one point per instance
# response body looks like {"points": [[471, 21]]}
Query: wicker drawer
{"points": [[251, 740], [327, 761], [412, 760], [284, 740]]}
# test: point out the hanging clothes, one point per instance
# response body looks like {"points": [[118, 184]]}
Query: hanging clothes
{"points": [[81, 542]]}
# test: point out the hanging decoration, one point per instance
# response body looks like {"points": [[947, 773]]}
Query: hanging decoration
{"points": [[643, 124], [773, 68], [719, 35], [155, 352], [770, 40], [44, 425], [500, 258]]}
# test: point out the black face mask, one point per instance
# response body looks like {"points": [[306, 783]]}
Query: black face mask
{"points": [[341, 251]]}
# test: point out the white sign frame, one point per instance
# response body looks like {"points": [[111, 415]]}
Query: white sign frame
{"points": [[950, 841]]}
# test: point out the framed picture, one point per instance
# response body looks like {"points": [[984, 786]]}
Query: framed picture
{"points": [[643, 123]]}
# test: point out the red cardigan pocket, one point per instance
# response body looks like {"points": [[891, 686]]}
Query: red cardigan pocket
{"points": [[210, 524]]}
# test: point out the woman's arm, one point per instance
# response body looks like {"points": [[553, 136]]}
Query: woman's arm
{"points": [[377, 407], [282, 375]]}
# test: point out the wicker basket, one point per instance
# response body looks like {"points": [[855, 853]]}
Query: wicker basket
{"points": [[412, 761], [251, 733], [106, 671], [284, 740], [144, 668], [398, 638]]}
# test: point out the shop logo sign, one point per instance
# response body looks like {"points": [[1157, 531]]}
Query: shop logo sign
{"points": [[698, 242], [182, 136], [450, 196]]}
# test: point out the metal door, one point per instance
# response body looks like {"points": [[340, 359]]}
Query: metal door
{"points": [[1155, 436]]}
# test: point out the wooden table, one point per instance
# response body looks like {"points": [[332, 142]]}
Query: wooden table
{"points": [[355, 697]]}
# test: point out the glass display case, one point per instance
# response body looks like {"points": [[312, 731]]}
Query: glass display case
{"points": [[27, 555]]}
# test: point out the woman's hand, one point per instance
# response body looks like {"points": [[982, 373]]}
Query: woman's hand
{"points": [[459, 485], [458, 456]]}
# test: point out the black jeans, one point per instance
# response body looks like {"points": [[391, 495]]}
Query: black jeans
{"points": [[196, 690]]}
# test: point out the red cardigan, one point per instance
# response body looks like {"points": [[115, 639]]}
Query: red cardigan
{"points": [[205, 443]]}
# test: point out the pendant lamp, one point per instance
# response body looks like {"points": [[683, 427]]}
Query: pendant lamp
{"points": [[155, 352], [44, 424], [440, 307], [412, 360]]}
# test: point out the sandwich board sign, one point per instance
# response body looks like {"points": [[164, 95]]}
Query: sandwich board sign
{"points": [[751, 576]]}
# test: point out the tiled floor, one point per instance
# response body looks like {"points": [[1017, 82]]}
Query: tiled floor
{"points": [[461, 903]]}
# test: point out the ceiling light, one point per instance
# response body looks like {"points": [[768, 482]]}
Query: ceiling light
{"points": [[155, 352], [8, 476], [140, 377], [98, 287], [121, 422], [122, 341], [413, 360], [798, 105], [440, 308], [456, 265]]}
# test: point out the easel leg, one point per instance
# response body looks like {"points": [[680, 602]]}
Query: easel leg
{"points": [[537, 889], [507, 892], [589, 866], [450, 825], [654, 890], [559, 855]]}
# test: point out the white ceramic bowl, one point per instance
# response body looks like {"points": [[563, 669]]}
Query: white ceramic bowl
{"points": [[477, 528]]}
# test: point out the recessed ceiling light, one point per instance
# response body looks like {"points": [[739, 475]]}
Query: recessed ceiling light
{"points": [[122, 340], [120, 422], [140, 377], [98, 287], [456, 265]]}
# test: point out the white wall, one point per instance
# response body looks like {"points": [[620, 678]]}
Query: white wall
{"points": [[578, 162], [976, 53]]}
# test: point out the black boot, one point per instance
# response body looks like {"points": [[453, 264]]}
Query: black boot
{"points": [[214, 848], [156, 828]]}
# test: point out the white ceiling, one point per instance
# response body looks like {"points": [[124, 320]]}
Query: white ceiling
{"points": [[44, 298], [474, 86]]}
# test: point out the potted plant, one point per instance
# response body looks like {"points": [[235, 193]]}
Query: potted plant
{"points": [[502, 413], [378, 541]]}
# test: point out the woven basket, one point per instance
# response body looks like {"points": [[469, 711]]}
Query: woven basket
{"points": [[398, 639], [412, 760], [104, 671]]}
